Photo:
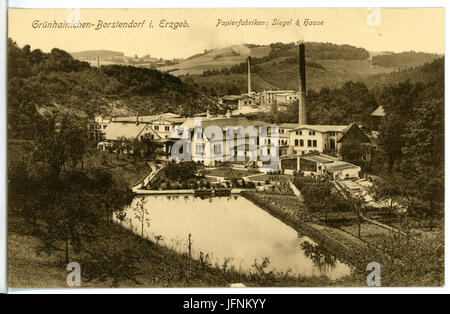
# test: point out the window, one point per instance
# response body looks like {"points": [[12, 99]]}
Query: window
{"points": [[156, 127], [198, 149], [298, 132], [309, 143], [314, 143], [302, 143], [332, 134], [312, 132], [296, 142], [167, 128], [218, 149]]}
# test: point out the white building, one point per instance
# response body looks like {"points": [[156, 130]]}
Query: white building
{"points": [[308, 138], [277, 96], [212, 150]]}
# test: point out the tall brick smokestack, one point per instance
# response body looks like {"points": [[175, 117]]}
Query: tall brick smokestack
{"points": [[249, 63], [302, 86]]}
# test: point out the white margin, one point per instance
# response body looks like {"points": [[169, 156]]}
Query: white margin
{"points": [[211, 4], [3, 155]]}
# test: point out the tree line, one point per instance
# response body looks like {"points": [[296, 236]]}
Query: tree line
{"points": [[38, 80], [63, 203]]}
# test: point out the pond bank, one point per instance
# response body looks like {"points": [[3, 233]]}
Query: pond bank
{"points": [[160, 267], [344, 247]]}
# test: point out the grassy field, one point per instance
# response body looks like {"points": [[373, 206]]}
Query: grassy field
{"points": [[217, 59]]}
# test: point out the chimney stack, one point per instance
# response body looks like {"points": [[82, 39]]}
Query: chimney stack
{"points": [[302, 86], [249, 63]]}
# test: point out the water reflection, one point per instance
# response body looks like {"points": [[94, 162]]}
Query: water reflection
{"points": [[321, 257], [231, 232]]}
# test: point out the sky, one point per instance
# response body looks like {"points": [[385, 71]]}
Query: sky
{"points": [[395, 30]]}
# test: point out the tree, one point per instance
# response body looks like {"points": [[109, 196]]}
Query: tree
{"points": [[70, 216], [59, 139], [424, 155], [318, 195], [114, 194], [141, 213], [388, 192], [398, 102], [355, 152], [120, 145], [182, 171]]}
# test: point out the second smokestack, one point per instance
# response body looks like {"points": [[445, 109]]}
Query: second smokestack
{"points": [[302, 86], [249, 71]]}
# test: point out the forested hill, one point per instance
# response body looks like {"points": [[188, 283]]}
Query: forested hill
{"points": [[354, 101], [45, 81], [327, 65], [95, 54], [403, 60], [430, 72]]}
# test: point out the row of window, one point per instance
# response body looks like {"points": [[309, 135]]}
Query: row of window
{"points": [[166, 128], [301, 143], [97, 127], [216, 148], [299, 132]]}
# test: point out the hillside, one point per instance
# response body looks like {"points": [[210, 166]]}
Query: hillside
{"points": [[404, 60], [431, 72], [217, 59], [328, 66], [56, 81], [94, 54], [282, 73]]}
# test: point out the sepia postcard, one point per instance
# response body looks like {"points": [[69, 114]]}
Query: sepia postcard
{"points": [[233, 148]]}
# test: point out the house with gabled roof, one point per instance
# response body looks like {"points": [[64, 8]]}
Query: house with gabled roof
{"points": [[157, 128], [323, 138]]}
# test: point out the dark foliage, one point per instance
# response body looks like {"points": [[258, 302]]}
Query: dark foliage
{"points": [[38, 80]]}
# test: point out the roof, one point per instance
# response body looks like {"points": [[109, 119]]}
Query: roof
{"points": [[166, 116], [117, 130], [285, 94], [363, 138], [379, 112], [231, 97], [322, 158], [279, 91], [322, 128], [339, 166], [288, 125], [221, 122]]}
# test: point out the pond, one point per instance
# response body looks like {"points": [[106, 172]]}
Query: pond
{"points": [[230, 230]]}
